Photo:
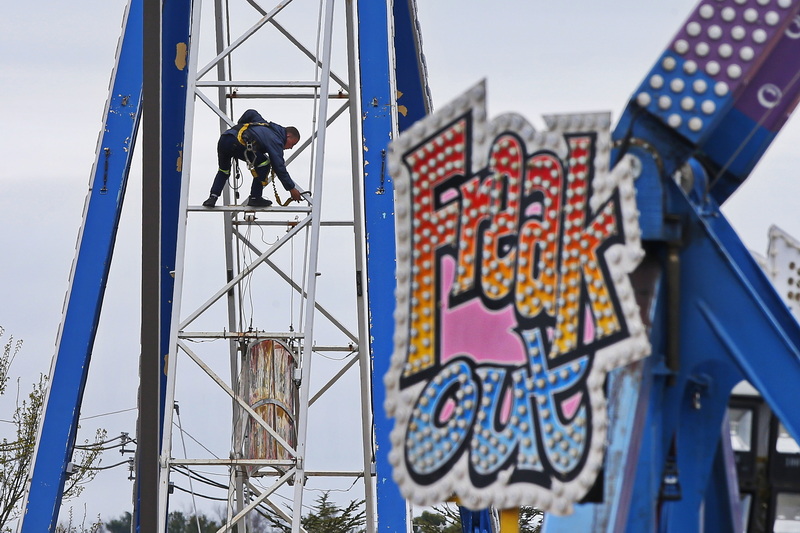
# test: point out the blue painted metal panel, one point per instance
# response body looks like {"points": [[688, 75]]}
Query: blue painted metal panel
{"points": [[755, 330], [413, 95], [377, 103], [757, 117], [176, 27], [749, 142], [732, 324], [89, 277], [475, 521], [379, 107]]}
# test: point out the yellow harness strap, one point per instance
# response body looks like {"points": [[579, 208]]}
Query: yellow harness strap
{"points": [[244, 128], [275, 189]]}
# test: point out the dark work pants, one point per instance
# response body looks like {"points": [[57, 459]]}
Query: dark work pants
{"points": [[229, 147]]}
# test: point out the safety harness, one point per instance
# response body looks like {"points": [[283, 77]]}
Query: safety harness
{"points": [[250, 153], [250, 156]]}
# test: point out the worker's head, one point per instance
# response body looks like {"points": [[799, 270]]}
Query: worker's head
{"points": [[292, 137]]}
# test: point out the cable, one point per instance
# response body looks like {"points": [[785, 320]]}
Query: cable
{"points": [[87, 446], [185, 456], [207, 497], [186, 471], [348, 489], [291, 289], [329, 358], [93, 447], [109, 413], [125, 462], [199, 443]]}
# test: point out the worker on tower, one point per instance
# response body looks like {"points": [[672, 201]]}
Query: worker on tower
{"points": [[260, 144]]}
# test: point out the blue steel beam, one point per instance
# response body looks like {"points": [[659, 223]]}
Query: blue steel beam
{"points": [[755, 119], [377, 103], [381, 107], [413, 93], [70, 367], [176, 28], [733, 326], [715, 317], [175, 41]]}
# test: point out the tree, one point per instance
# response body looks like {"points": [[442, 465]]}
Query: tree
{"points": [[177, 522], [327, 517], [119, 525], [16, 454], [70, 527], [530, 519], [440, 520], [445, 519]]}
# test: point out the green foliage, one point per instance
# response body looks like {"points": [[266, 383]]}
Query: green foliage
{"points": [[327, 517], [446, 519], [177, 522], [530, 519], [120, 525], [16, 453], [71, 527], [440, 520]]}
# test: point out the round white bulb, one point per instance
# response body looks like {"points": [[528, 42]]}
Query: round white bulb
{"points": [[656, 81], [700, 86]]}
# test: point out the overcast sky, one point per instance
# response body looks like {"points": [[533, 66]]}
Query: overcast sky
{"points": [[539, 57]]}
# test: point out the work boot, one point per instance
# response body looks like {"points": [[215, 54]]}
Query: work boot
{"points": [[211, 202], [258, 202]]}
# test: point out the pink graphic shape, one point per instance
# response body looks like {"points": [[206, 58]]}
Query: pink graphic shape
{"points": [[570, 406], [447, 411], [472, 330], [505, 411], [588, 329]]}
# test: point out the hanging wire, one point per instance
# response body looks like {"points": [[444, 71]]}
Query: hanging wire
{"points": [[109, 413], [109, 467], [248, 288], [317, 79], [303, 285], [186, 456], [197, 442], [330, 358], [103, 443], [237, 182], [291, 289], [204, 496], [257, 482], [189, 473]]}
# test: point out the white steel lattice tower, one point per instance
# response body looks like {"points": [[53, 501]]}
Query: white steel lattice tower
{"points": [[287, 274]]}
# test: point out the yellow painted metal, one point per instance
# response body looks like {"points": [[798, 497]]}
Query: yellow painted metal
{"points": [[509, 520]]}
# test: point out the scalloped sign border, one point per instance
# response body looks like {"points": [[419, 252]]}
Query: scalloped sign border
{"points": [[514, 249]]}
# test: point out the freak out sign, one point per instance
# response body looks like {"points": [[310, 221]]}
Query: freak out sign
{"points": [[513, 303]]}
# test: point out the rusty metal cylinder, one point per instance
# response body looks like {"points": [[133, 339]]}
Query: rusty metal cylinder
{"points": [[272, 393]]}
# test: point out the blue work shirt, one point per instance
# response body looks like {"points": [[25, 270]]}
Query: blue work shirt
{"points": [[270, 139]]}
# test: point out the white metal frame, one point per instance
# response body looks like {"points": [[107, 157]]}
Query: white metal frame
{"points": [[243, 497]]}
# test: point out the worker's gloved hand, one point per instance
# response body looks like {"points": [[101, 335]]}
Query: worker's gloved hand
{"points": [[296, 196]]}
